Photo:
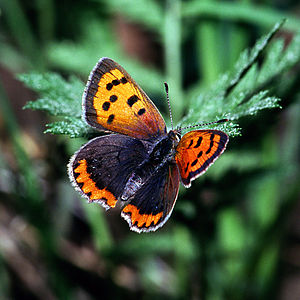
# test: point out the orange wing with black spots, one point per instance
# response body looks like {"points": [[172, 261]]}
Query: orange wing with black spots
{"points": [[113, 101], [197, 150]]}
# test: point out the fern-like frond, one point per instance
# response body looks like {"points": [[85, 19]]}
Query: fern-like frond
{"points": [[236, 94], [58, 97], [244, 91]]}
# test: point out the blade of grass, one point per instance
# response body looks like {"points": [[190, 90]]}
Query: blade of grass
{"points": [[238, 38], [235, 11], [238, 42], [31, 182], [33, 206], [22, 33], [172, 40], [46, 19], [101, 235], [4, 279], [209, 54]]}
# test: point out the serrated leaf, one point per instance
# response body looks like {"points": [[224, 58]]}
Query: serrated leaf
{"points": [[240, 92], [73, 127], [235, 95], [249, 57], [58, 97], [52, 107]]}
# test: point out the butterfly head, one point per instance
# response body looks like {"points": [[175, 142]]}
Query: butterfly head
{"points": [[175, 135]]}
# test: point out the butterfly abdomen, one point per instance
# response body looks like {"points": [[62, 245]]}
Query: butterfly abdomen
{"points": [[133, 184], [159, 157]]}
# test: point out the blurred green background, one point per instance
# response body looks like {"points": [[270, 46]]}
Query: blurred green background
{"points": [[235, 234]]}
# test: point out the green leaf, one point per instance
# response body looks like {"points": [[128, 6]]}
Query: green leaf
{"points": [[140, 13], [238, 11], [57, 96], [80, 57], [231, 230], [73, 127], [240, 93], [235, 160]]}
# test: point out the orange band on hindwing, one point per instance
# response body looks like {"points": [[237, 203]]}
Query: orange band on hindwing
{"points": [[142, 220], [89, 186]]}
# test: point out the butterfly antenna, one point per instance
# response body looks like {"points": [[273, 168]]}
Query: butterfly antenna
{"points": [[169, 105], [204, 124]]}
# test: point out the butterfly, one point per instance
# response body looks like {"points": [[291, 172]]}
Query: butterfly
{"points": [[139, 165]]}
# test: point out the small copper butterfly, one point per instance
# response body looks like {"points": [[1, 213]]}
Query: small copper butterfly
{"points": [[139, 165]]}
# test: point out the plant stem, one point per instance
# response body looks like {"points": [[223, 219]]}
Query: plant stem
{"points": [[208, 45], [22, 33], [31, 200], [173, 56], [46, 19]]}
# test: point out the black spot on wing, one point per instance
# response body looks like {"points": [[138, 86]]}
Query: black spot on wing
{"points": [[110, 119], [200, 154], [113, 98], [141, 111], [191, 143], [115, 82], [194, 163], [123, 80], [105, 106], [186, 168], [109, 86], [198, 142], [131, 100], [211, 143]]}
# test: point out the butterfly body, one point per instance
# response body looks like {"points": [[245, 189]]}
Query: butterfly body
{"points": [[160, 155], [139, 165]]}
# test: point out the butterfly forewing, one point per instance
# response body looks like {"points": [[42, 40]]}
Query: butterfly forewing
{"points": [[114, 102], [197, 150]]}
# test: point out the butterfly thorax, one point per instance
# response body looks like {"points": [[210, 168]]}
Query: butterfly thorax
{"points": [[160, 155]]}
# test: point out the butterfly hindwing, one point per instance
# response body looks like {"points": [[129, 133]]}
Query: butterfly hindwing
{"points": [[113, 101], [153, 203], [197, 150], [100, 169]]}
